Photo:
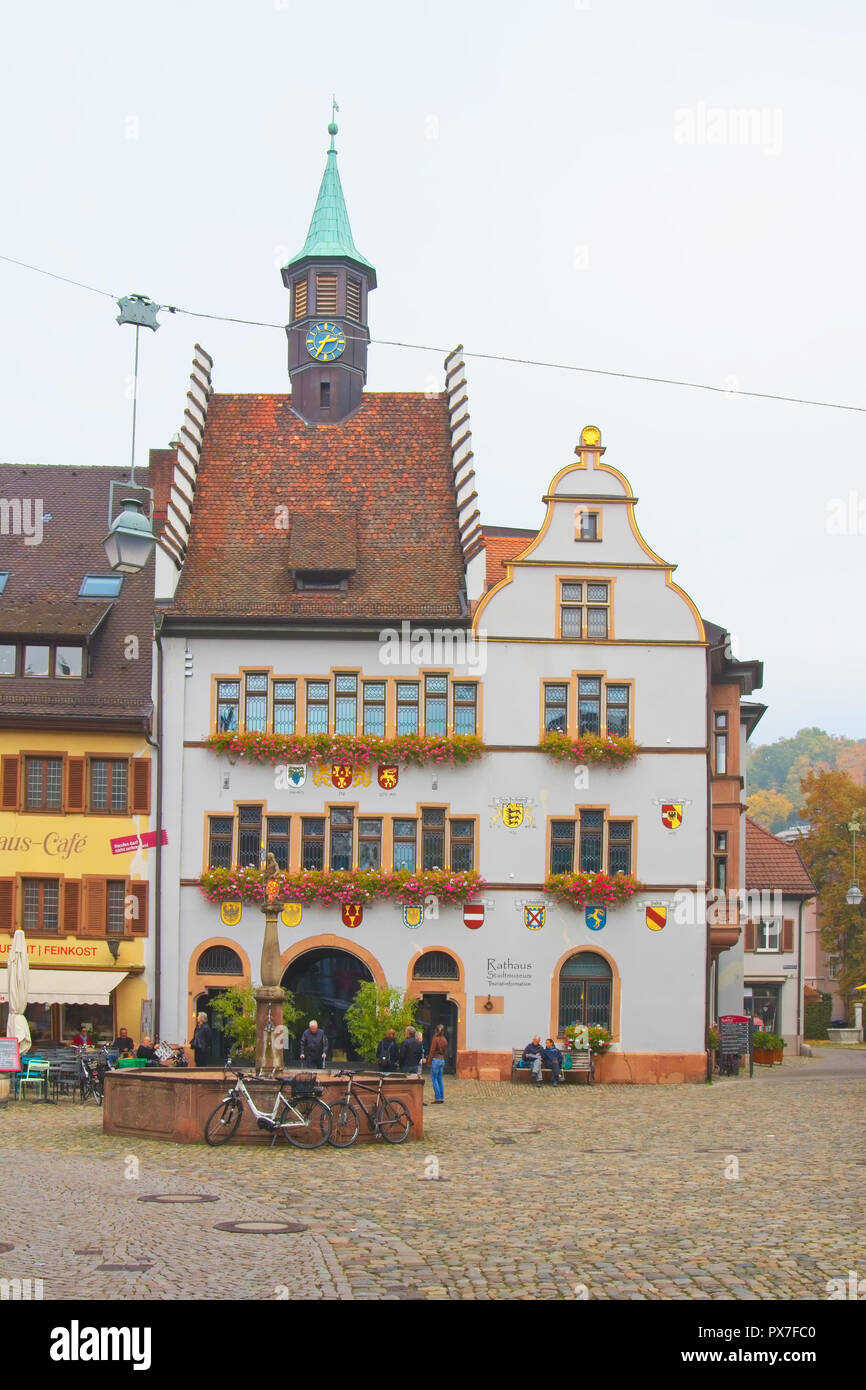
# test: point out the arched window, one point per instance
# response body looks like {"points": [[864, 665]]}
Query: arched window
{"points": [[585, 990], [219, 960], [436, 965]]}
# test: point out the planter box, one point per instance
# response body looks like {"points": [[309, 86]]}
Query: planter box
{"points": [[767, 1059], [843, 1035]]}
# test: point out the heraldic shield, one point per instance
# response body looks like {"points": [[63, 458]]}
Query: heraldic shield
{"points": [[341, 775], [595, 917], [230, 913], [473, 915], [352, 914], [413, 915], [672, 814], [534, 915], [512, 814], [389, 775], [291, 914], [296, 773], [656, 917]]}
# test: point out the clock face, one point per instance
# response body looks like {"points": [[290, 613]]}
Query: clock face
{"points": [[325, 341]]}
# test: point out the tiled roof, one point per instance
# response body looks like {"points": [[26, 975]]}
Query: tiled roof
{"points": [[41, 595], [503, 543], [771, 863], [263, 470]]}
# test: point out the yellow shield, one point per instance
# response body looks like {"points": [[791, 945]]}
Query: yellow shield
{"points": [[291, 914], [512, 814], [656, 917], [230, 913]]}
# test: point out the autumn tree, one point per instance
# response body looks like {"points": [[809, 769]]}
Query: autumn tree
{"points": [[770, 809], [833, 803]]}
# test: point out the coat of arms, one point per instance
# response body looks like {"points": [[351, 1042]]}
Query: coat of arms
{"points": [[534, 915], [388, 776], [656, 917], [595, 917], [230, 913], [413, 915], [291, 914], [352, 914], [672, 814], [296, 774], [473, 915], [513, 814], [341, 775]]}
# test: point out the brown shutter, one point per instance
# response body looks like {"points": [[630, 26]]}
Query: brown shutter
{"points": [[788, 934], [7, 905], [750, 936], [71, 905], [140, 787], [9, 781], [75, 784], [137, 924], [93, 919]]}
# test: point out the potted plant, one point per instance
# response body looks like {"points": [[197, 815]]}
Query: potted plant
{"points": [[594, 1036], [713, 1044], [767, 1048]]}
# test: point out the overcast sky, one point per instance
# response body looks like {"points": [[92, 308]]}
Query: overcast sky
{"points": [[672, 189]]}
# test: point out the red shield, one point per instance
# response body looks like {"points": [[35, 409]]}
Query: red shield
{"points": [[352, 914], [341, 775], [388, 776], [672, 815], [473, 915]]}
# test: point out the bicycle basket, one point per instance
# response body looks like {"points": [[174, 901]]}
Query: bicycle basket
{"points": [[303, 1086]]}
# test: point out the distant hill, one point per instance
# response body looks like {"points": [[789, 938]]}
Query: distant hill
{"points": [[774, 772]]}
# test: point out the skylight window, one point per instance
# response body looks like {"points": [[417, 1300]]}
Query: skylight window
{"points": [[100, 586]]}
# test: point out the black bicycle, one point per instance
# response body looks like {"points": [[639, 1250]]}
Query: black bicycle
{"points": [[388, 1118], [91, 1073]]}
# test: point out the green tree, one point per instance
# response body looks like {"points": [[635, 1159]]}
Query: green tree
{"points": [[374, 1010], [770, 809], [236, 1007], [833, 802]]}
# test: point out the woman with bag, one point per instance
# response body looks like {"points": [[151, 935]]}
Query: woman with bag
{"points": [[438, 1052]]}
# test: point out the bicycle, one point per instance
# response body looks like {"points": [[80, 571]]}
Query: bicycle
{"points": [[388, 1118], [91, 1074], [304, 1121]]}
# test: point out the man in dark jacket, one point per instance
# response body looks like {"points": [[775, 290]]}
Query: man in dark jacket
{"points": [[411, 1053], [533, 1053], [201, 1041], [123, 1043], [388, 1052], [552, 1058], [314, 1045]]}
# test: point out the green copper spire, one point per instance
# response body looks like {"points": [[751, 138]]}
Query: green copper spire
{"points": [[330, 234]]}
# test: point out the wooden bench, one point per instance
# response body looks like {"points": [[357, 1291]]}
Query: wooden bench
{"points": [[582, 1065]]}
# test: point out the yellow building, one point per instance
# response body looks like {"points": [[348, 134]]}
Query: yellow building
{"points": [[76, 838]]}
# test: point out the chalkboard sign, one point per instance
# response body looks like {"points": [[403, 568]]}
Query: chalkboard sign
{"points": [[734, 1033], [10, 1059]]}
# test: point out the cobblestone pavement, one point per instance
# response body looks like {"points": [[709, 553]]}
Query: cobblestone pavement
{"points": [[626, 1190]]}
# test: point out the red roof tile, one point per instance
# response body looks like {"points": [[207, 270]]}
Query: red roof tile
{"points": [[263, 470], [771, 863]]}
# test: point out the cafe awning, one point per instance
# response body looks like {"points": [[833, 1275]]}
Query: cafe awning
{"points": [[68, 986]]}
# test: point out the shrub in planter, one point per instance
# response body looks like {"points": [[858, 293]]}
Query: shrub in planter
{"points": [[768, 1047]]}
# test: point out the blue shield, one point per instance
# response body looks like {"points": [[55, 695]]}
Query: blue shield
{"points": [[595, 917]]}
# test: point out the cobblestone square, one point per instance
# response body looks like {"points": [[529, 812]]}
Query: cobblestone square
{"points": [[625, 1192]]}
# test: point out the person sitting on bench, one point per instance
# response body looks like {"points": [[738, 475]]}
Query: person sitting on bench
{"points": [[552, 1058], [533, 1053]]}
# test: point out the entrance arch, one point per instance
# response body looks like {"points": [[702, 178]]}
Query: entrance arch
{"points": [[324, 980]]}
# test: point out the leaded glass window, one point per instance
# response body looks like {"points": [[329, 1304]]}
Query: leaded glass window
{"points": [[617, 710], [619, 847], [256, 702], [369, 844], [405, 832], [436, 704], [221, 834], [346, 700], [250, 837], [407, 707], [556, 709], [313, 843], [465, 707], [562, 847], [433, 838], [284, 707], [228, 701], [278, 839], [589, 704], [462, 845], [591, 832], [374, 708], [318, 702], [342, 818]]}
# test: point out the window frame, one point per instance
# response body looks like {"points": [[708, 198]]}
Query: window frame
{"points": [[309, 840], [57, 881], [404, 840], [110, 809], [593, 515], [574, 843], [573, 699], [583, 605], [43, 758], [761, 925], [214, 837]]}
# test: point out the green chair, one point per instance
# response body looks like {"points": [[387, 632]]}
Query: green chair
{"points": [[36, 1075]]}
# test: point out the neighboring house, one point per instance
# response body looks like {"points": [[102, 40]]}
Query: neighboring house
{"points": [[779, 889], [820, 970], [75, 709]]}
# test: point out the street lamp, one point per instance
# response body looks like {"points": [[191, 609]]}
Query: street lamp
{"points": [[130, 539], [854, 897]]}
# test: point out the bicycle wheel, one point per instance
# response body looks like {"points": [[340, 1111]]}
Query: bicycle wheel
{"points": [[393, 1121], [316, 1128], [346, 1125], [222, 1122]]}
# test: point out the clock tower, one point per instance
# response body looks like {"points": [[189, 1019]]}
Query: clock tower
{"points": [[328, 283]]}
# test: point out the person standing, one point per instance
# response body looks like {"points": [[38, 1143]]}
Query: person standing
{"points": [[437, 1054], [202, 1041], [411, 1053], [387, 1053], [314, 1045]]}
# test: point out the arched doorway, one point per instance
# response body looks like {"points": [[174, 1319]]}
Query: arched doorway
{"points": [[216, 960], [324, 982], [434, 1006]]}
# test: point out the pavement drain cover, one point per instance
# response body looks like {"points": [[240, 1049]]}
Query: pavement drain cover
{"points": [[501, 1139], [7, 1246], [179, 1197], [260, 1228], [136, 1268]]}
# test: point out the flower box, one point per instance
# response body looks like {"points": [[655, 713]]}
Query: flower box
{"points": [[355, 750], [321, 887], [610, 750], [576, 890]]}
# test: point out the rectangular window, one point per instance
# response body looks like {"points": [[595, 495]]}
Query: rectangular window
{"points": [[562, 847], [108, 785], [571, 596], [4, 575], [720, 872], [353, 299], [407, 707], [8, 654], [585, 525], [617, 710], [346, 702], [278, 839], [324, 395], [37, 661], [100, 586], [41, 904], [250, 837], [228, 705], [591, 832], [313, 843], [556, 709], [255, 702], [284, 707], [300, 309], [433, 838], [405, 832], [769, 936], [374, 708], [43, 784], [115, 920], [721, 751], [436, 704], [588, 704], [619, 847], [465, 707], [369, 844], [597, 604], [68, 662], [221, 835], [462, 846], [326, 294], [342, 824], [318, 706]]}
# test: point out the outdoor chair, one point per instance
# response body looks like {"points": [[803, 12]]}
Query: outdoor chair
{"points": [[36, 1075]]}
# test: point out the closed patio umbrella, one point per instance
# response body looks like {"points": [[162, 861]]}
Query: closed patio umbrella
{"points": [[19, 983]]}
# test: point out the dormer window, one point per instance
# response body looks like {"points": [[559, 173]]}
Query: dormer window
{"points": [[321, 579], [299, 310]]}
